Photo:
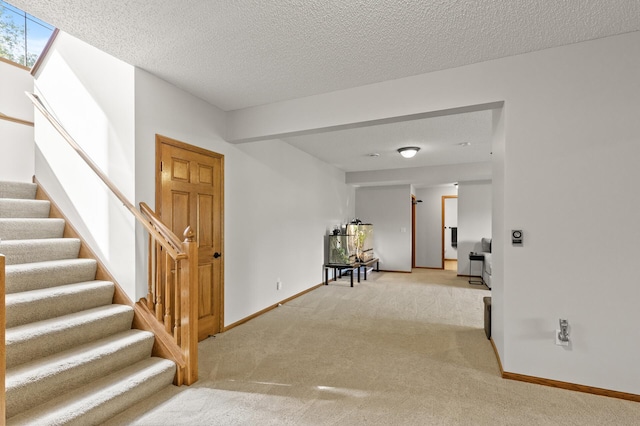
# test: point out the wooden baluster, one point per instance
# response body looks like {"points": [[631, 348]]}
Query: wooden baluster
{"points": [[176, 289], [151, 274], [189, 306], [159, 286], [168, 292]]}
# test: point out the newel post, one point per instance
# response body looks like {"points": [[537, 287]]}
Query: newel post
{"points": [[189, 306]]}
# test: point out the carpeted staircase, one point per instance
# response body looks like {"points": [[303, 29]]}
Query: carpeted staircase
{"points": [[72, 357]]}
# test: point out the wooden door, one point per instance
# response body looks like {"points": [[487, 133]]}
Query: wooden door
{"points": [[189, 192]]}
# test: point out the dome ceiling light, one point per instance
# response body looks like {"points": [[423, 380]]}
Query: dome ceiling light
{"points": [[408, 151]]}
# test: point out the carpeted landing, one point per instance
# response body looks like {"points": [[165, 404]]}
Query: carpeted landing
{"points": [[72, 357], [397, 349]]}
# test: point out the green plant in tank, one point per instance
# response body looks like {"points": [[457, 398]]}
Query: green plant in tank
{"points": [[361, 236], [339, 253]]}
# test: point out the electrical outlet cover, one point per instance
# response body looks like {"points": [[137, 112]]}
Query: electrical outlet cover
{"points": [[560, 342]]}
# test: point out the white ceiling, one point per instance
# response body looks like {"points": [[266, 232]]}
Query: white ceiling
{"points": [[439, 140], [241, 53]]}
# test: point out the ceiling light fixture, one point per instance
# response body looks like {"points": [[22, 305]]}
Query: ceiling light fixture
{"points": [[408, 151]]}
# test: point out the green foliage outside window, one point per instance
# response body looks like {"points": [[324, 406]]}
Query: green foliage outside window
{"points": [[22, 37]]}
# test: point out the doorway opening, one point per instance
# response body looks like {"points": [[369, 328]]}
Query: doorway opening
{"points": [[449, 232]]}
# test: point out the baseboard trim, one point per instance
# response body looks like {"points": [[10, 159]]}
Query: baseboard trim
{"points": [[562, 385], [495, 351], [571, 386], [268, 308]]}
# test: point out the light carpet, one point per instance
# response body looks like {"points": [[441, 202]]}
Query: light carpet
{"points": [[398, 349]]}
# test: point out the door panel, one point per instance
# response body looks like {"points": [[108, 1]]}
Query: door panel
{"points": [[179, 170], [191, 194], [179, 212], [205, 301], [205, 220]]}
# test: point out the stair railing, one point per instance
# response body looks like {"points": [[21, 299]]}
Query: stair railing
{"points": [[15, 120], [169, 264], [173, 271]]}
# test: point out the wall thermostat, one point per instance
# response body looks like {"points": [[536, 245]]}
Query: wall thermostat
{"points": [[516, 237]]}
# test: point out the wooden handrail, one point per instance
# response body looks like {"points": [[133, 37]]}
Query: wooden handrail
{"points": [[15, 120], [160, 226], [104, 178], [173, 271], [3, 351]]}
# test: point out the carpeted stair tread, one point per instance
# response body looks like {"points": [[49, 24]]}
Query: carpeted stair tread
{"points": [[25, 229], [24, 190], [32, 276], [43, 338], [10, 207], [30, 251], [38, 305], [102, 399], [34, 383], [71, 355]]}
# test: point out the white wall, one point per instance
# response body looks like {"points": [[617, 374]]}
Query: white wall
{"points": [[279, 201], [16, 140], [570, 142], [14, 82], [429, 225], [388, 208], [474, 222], [91, 93]]}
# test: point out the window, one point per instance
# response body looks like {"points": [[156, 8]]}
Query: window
{"points": [[22, 36]]}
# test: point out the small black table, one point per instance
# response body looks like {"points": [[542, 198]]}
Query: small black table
{"points": [[366, 264], [479, 258], [339, 267]]}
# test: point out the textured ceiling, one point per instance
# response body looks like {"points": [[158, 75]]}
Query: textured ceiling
{"points": [[240, 53]]}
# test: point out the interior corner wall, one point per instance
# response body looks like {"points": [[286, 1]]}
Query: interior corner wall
{"points": [[279, 202], [497, 230], [429, 225], [91, 93], [570, 131], [474, 221], [388, 208], [16, 140]]}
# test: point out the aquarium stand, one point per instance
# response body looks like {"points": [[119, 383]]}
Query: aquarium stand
{"points": [[338, 269]]}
